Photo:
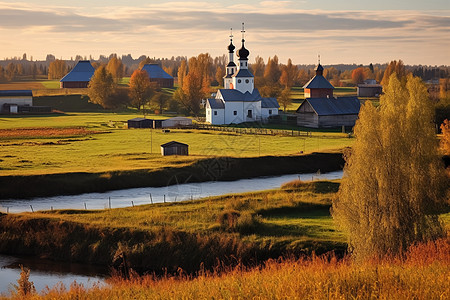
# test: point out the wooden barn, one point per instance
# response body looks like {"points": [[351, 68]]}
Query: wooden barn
{"points": [[369, 90], [176, 122], [158, 75], [140, 123], [174, 148], [328, 112], [79, 76]]}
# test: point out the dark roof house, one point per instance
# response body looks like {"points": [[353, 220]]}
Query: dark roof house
{"points": [[79, 76], [158, 75], [328, 112], [318, 86]]}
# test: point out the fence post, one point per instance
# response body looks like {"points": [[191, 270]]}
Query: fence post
{"points": [[109, 201], [85, 207], [164, 198], [151, 199], [132, 203], [31, 208]]}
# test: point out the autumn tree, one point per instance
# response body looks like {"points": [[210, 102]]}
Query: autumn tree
{"points": [[103, 91], [358, 75], [182, 72], [141, 89], [160, 100], [195, 86], [396, 67], [11, 71], [285, 98], [445, 140], [57, 69], [220, 73], [289, 74], [270, 86], [116, 68], [258, 67], [146, 60], [392, 188]]}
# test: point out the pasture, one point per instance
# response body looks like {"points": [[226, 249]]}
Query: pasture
{"points": [[107, 145]]}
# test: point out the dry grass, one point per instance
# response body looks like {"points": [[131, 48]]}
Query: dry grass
{"points": [[423, 274], [43, 132]]}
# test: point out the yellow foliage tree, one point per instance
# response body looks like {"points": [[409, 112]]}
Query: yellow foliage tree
{"points": [[57, 69], [393, 179], [445, 141], [116, 68]]}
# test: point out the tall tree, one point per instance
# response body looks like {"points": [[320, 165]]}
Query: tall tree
{"points": [[393, 179], [11, 71], [272, 71], [160, 100], [182, 72], [103, 91], [115, 67], [396, 67], [445, 140], [258, 67], [141, 89], [289, 74], [285, 98], [220, 73], [196, 84], [358, 75], [57, 69]]}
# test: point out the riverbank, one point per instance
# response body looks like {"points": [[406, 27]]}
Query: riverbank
{"points": [[201, 170], [228, 230]]}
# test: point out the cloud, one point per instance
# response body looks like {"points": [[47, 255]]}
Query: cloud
{"points": [[203, 26]]}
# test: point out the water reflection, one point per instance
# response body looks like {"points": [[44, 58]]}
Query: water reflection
{"points": [[45, 273]]}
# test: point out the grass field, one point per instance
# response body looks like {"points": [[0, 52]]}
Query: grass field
{"points": [[126, 149], [290, 221], [423, 274]]}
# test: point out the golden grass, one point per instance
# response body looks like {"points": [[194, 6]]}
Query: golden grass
{"points": [[423, 274]]}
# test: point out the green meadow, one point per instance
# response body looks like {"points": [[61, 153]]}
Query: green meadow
{"points": [[111, 146]]}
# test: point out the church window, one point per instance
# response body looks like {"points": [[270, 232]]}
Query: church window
{"points": [[215, 113], [239, 81], [249, 113], [270, 111], [235, 112], [246, 81]]}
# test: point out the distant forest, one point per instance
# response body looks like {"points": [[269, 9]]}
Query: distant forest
{"points": [[16, 67]]}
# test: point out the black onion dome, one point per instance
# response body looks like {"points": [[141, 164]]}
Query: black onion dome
{"points": [[231, 47], [243, 53]]}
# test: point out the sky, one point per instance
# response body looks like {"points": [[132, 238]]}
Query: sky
{"points": [[360, 32]]}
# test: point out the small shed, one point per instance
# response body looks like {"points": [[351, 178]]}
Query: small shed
{"points": [[369, 90], [174, 148], [140, 123], [79, 76], [176, 122], [328, 112]]}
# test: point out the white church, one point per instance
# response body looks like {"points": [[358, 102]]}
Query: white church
{"points": [[239, 101]]}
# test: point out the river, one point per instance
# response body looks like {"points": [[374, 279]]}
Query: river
{"points": [[139, 196], [47, 273]]}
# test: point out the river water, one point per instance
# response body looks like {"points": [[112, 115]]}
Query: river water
{"points": [[47, 273], [139, 196]]}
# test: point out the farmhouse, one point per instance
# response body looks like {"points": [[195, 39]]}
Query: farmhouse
{"points": [[79, 76], [239, 101], [320, 109], [328, 112], [19, 101], [158, 75], [174, 148]]}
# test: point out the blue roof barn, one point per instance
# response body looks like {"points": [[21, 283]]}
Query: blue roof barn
{"points": [[158, 75], [79, 76]]}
